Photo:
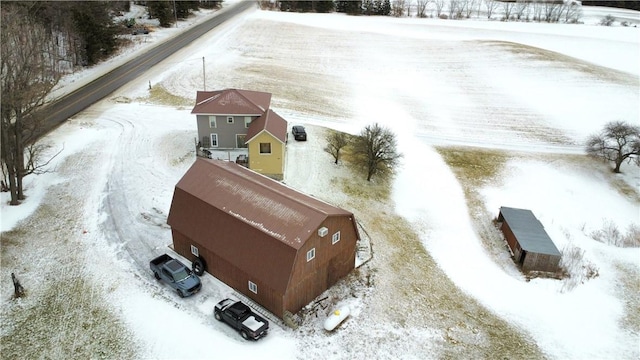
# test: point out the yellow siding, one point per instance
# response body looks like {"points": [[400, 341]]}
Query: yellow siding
{"points": [[272, 164]]}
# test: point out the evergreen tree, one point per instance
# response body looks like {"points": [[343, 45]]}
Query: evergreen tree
{"points": [[349, 7], [94, 25], [161, 10], [325, 6], [385, 8], [184, 8]]}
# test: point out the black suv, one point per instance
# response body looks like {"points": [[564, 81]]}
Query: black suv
{"points": [[299, 133]]}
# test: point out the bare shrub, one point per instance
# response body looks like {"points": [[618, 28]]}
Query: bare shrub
{"points": [[607, 20], [576, 268], [632, 237], [611, 235]]}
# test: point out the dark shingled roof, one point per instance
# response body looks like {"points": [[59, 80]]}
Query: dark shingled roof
{"points": [[529, 231]]}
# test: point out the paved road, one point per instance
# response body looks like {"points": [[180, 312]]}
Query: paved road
{"points": [[82, 98]]}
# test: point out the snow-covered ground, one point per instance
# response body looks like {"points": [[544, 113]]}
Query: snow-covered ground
{"points": [[528, 89]]}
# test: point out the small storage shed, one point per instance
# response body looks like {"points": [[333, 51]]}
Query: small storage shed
{"points": [[532, 247], [275, 245]]}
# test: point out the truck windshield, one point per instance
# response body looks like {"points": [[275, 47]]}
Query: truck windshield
{"points": [[180, 275]]}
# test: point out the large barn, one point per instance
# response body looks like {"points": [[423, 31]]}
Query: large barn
{"points": [[532, 247], [275, 245]]}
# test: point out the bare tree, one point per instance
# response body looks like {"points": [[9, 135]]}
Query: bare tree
{"points": [[453, 8], [521, 9], [618, 141], [408, 6], [439, 6], [421, 8], [537, 10], [491, 5], [469, 8], [28, 73], [551, 10], [397, 8], [376, 150], [508, 7], [572, 12], [336, 141]]}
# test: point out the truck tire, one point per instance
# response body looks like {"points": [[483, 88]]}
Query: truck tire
{"points": [[198, 266], [217, 316], [155, 274], [244, 335], [180, 293]]}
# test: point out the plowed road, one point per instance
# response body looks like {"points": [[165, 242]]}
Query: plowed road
{"points": [[82, 98]]}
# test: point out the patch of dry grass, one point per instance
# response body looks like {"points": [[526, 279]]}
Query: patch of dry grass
{"points": [[474, 167], [408, 273], [629, 288], [625, 189], [159, 95]]}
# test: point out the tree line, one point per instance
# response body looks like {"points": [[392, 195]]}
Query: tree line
{"points": [[506, 10], [40, 41]]}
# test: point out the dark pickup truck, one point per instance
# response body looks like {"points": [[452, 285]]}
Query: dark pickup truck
{"points": [[240, 317], [174, 273]]}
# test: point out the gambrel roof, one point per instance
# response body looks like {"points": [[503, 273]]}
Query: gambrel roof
{"points": [[261, 202], [252, 221]]}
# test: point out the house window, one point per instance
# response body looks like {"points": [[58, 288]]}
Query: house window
{"points": [[229, 119], [265, 148], [240, 141], [214, 140], [247, 121], [253, 287], [212, 121], [335, 238], [194, 251], [311, 254]]}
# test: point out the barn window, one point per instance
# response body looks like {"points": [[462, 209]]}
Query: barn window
{"points": [[194, 251], [265, 148], [335, 238], [311, 254], [214, 140], [247, 121], [229, 119], [253, 287], [212, 121]]}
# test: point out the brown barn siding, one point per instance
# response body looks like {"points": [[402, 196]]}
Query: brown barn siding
{"points": [[331, 263], [231, 238], [509, 236], [229, 274]]}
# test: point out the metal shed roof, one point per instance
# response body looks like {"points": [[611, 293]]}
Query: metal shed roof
{"points": [[529, 231]]}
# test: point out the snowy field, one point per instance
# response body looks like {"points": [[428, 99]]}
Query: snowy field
{"points": [[527, 90]]}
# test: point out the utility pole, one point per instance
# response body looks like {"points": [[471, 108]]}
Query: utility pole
{"points": [[204, 80]]}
